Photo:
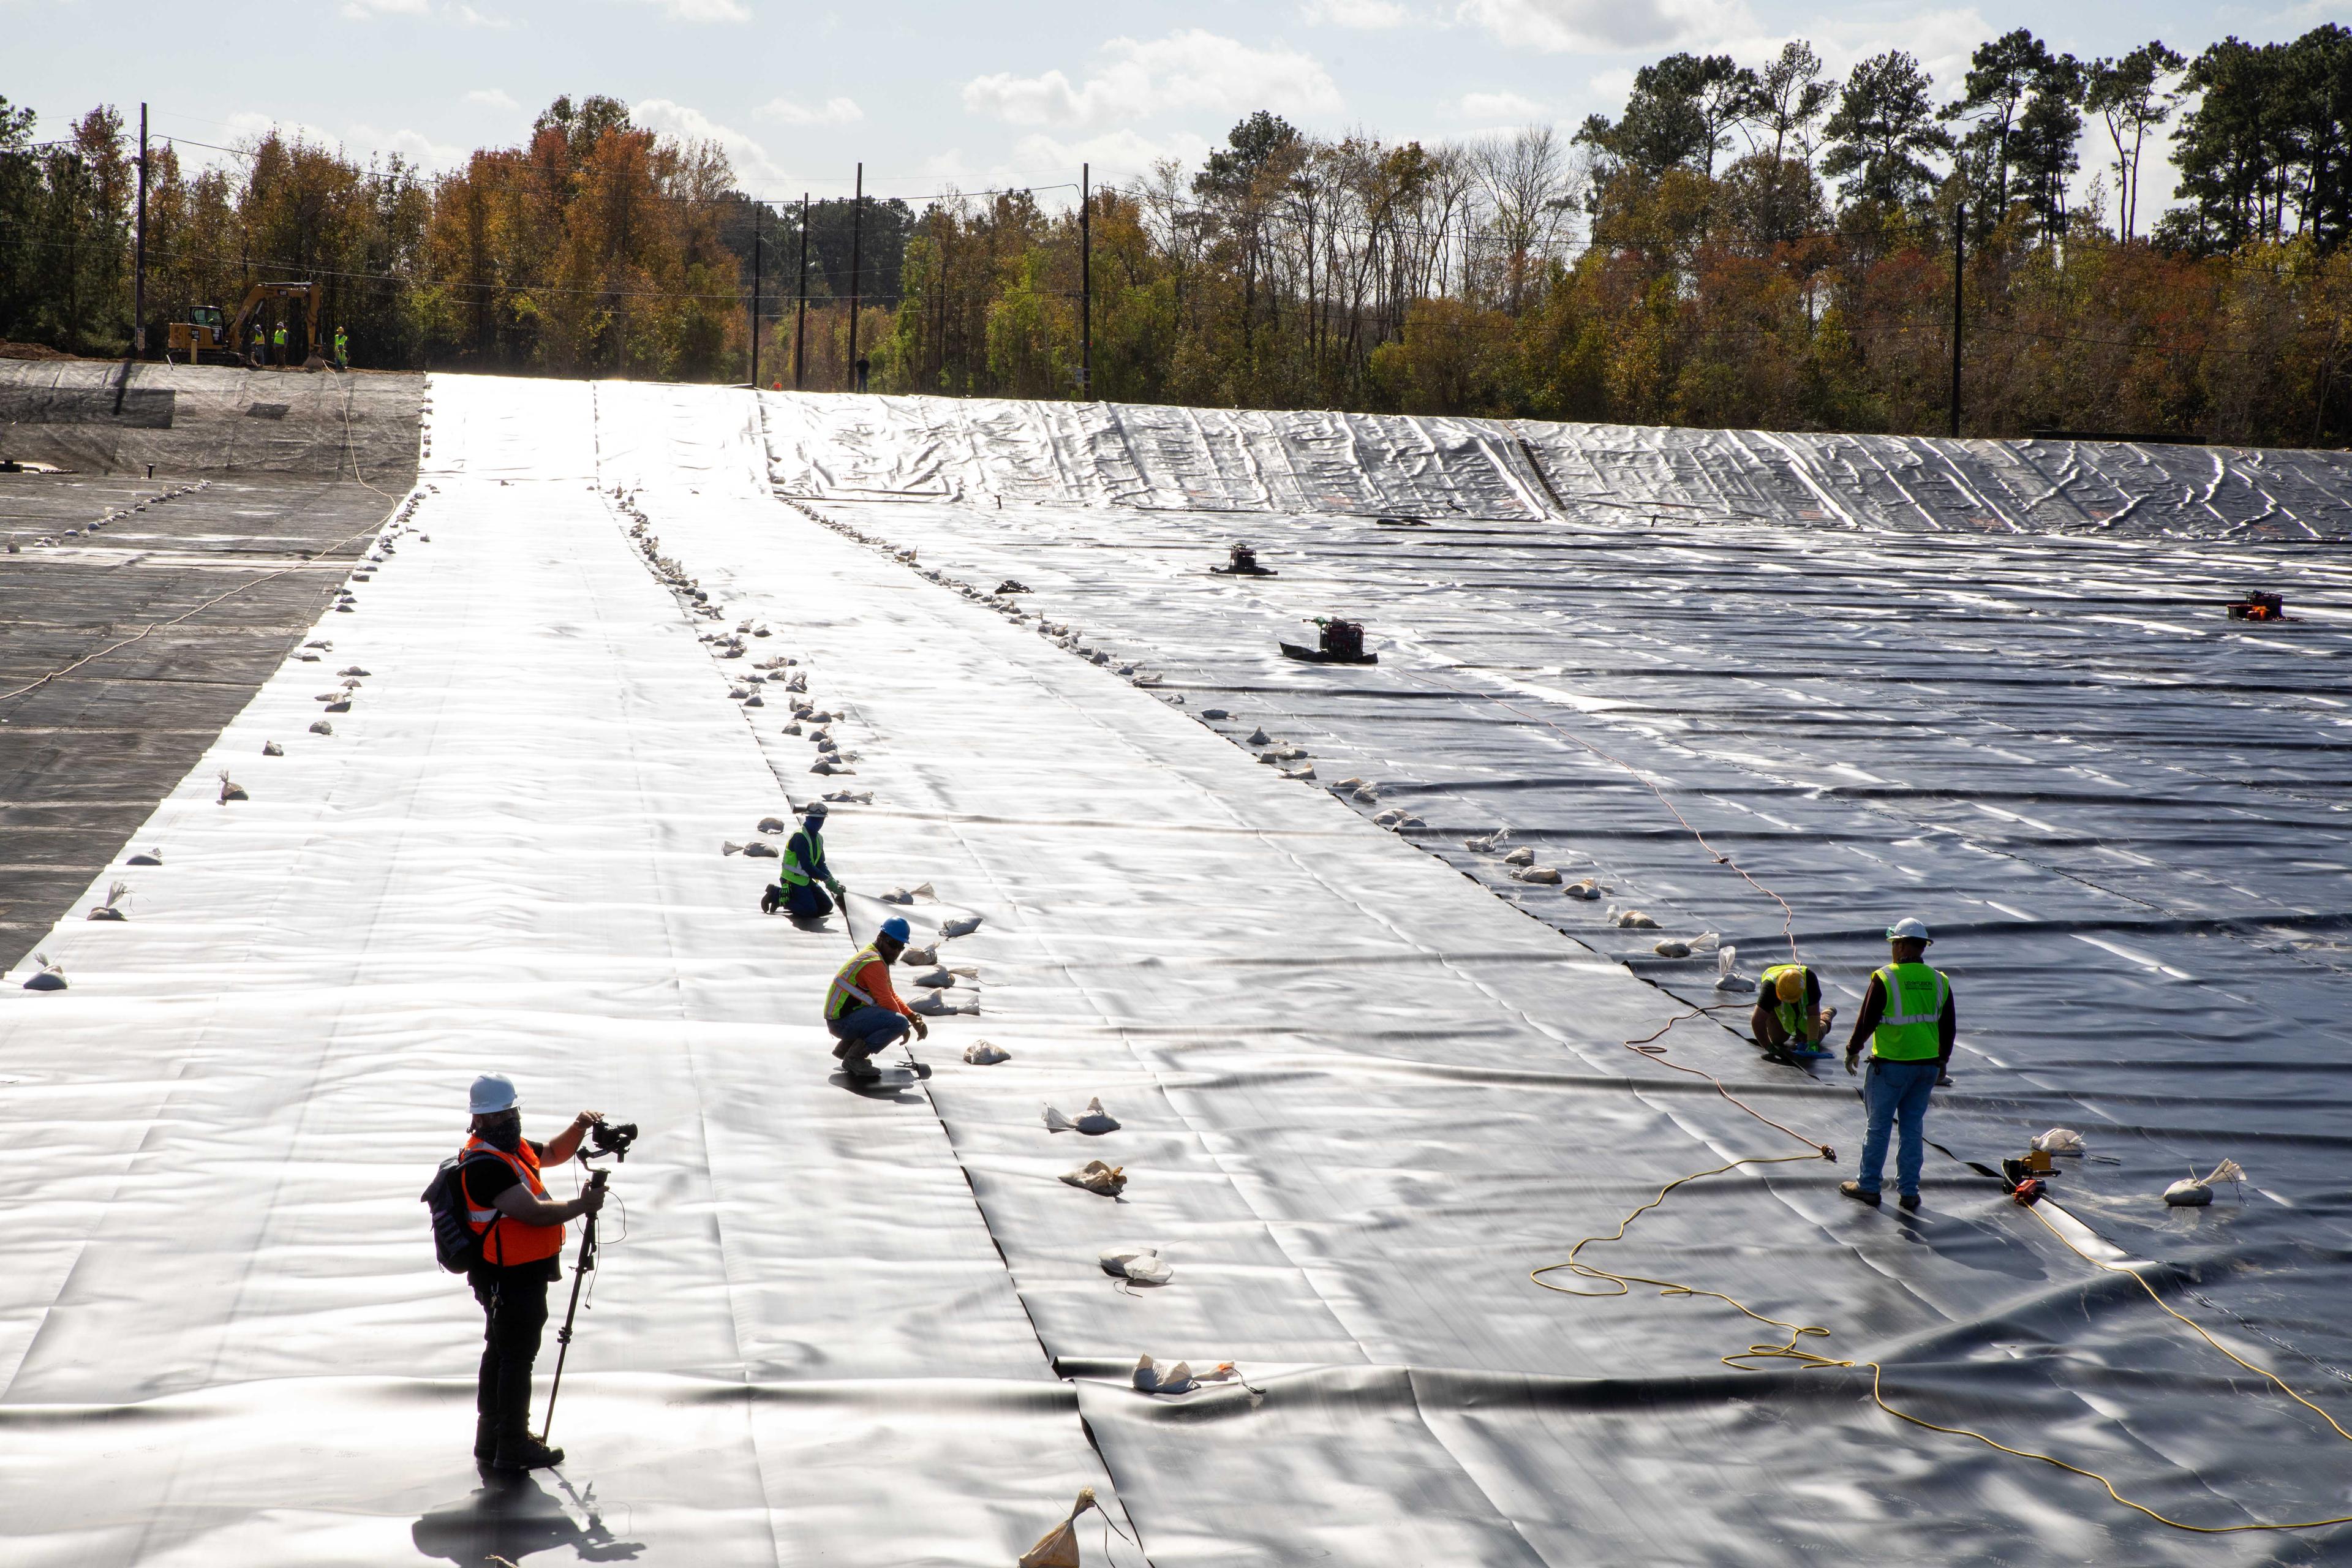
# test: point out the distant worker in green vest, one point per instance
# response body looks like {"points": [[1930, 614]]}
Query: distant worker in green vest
{"points": [[1789, 1014], [1908, 1021], [278, 343], [260, 345], [796, 891], [342, 349]]}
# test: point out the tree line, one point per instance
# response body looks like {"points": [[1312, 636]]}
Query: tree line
{"points": [[1744, 243]]}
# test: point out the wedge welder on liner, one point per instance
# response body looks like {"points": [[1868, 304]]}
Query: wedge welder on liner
{"points": [[861, 1010]]}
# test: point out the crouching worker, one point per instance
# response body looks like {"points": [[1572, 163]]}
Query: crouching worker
{"points": [[521, 1235], [796, 891], [1789, 1014], [862, 1011]]}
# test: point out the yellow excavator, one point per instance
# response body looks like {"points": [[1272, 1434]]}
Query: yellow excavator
{"points": [[204, 331]]}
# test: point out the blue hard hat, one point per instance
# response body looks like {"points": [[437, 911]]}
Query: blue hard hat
{"points": [[896, 928]]}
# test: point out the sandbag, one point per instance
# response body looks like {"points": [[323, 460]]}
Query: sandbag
{"points": [[1094, 1120], [1143, 1265], [1097, 1177], [980, 1054], [1059, 1547], [2060, 1141], [2196, 1192]]}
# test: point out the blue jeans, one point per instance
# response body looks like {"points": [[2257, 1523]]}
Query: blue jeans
{"points": [[1898, 1095], [867, 1029]]}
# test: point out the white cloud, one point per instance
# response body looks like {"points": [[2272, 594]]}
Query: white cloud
{"points": [[1117, 156], [492, 98], [1494, 107], [1607, 27], [1370, 16], [413, 145], [364, 10], [664, 117], [249, 124], [831, 111], [1194, 70], [704, 10], [469, 18]]}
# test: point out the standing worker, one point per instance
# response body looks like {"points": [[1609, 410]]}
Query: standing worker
{"points": [[521, 1233], [342, 349], [861, 1010], [1908, 1019], [1789, 1011], [261, 355], [801, 869], [277, 344]]}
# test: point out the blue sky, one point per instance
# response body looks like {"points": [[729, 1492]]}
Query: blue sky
{"points": [[971, 95]]}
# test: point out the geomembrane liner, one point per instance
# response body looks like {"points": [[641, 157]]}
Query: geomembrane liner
{"points": [[1360, 1092]]}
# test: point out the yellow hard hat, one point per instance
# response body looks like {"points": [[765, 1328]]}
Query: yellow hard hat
{"points": [[1791, 985]]}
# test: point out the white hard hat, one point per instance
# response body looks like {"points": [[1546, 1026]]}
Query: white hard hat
{"points": [[1910, 927], [493, 1092]]}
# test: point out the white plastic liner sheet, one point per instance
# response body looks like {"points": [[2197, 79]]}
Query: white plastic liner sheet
{"points": [[1361, 1096], [223, 1339], [991, 452]]}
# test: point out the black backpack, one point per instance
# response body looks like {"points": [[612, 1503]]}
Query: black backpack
{"points": [[455, 1244]]}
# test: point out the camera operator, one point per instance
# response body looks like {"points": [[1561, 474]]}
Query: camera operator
{"points": [[522, 1232]]}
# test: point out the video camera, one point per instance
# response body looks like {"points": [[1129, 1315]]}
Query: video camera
{"points": [[611, 1138]]}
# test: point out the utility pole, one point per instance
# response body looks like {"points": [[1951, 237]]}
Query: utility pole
{"points": [[856, 216], [139, 288], [1959, 256], [799, 322], [1086, 281], [759, 229]]}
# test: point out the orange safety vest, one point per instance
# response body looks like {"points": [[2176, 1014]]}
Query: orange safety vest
{"points": [[516, 1243]]}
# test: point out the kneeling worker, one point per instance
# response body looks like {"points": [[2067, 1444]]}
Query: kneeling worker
{"points": [[522, 1232], [1908, 1018], [1789, 1012], [801, 869], [861, 1009]]}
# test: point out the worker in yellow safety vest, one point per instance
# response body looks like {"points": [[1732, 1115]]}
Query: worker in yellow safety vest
{"points": [[862, 1012], [801, 869], [1789, 1012], [1909, 1022], [342, 349], [278, 343]]}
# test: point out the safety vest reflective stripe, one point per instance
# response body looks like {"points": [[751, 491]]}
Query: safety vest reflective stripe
{"points": [[845, 985], [1910, 1029]]}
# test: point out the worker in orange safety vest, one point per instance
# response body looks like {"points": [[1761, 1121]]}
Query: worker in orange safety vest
{"points": [[521, 1234]]}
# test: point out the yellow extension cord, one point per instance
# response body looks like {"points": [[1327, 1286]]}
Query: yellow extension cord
{"points": [[1624, 1283]]}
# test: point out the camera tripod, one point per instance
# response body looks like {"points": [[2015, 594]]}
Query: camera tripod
{"points": [[608, 1140]]}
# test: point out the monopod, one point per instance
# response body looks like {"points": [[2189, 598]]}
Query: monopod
{"points": [[580, 1273]]}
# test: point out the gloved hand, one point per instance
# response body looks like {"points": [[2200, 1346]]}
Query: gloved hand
{"points": [[1851, 1057], [839, 892]]}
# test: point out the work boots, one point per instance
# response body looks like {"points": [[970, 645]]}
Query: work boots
{"points": [[485, 1439], [518, 1450]]}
